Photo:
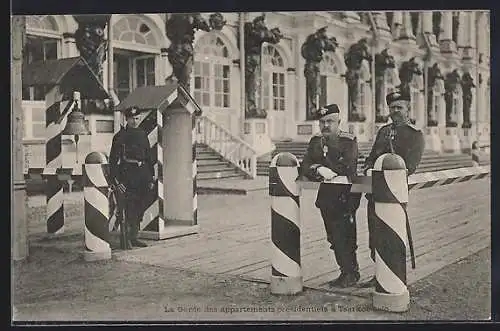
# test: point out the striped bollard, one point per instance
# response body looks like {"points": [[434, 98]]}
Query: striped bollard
{"points": [[476, 154], [390, 195], [286, 273], [194, 167], [96, 207]]}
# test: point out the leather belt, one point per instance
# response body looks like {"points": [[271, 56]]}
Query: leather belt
{"points": [[136, 162]]}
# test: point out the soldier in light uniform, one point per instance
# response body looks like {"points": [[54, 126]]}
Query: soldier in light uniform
{"points": [[399, 137], [132, 172], [335, 153]]}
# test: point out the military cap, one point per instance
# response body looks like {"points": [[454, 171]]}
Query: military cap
{"points": [[131, 111], [327, 110], [397, 95]]}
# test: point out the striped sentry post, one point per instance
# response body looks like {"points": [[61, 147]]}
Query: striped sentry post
{"points": [[96, 207], [55, 118], [390, 195], [153, 215], [286, 273]]}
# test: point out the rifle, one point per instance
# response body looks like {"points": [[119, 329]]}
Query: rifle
{"points": [[120, 215]]}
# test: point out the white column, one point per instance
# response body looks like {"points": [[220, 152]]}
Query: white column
{"points": [[447, 24], [407, 28], [381, 20], [427, 21], [300, 85], [463, 27], [472, 29], [69, 46], [397, 23], [291, 128]]}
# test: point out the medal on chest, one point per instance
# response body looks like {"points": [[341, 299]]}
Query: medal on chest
{"points": [[325, 150]]}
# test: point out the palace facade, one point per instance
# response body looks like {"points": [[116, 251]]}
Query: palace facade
{"points": [[442, 57]]}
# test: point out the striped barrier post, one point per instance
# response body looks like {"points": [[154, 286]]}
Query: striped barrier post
{"points": [[96, 208], [55, 120], [286, 273], [390, 195], [475, 151], [154, 220]]}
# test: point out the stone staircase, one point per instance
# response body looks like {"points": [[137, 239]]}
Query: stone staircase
{"points": [[431, 161], [211, 165]]}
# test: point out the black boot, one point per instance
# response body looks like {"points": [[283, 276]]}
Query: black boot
{"points": [[371, 283], [338, 280], [138, 243]]}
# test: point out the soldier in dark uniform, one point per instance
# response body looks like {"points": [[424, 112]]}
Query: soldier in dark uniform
{"points": [[132, 172], [335, 153], [399, 137]]}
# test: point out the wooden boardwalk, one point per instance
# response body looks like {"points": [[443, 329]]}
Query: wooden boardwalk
{"points": [[448, 223]]}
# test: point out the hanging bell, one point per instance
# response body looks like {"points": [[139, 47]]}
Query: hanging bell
{"points": [[76, 124]]}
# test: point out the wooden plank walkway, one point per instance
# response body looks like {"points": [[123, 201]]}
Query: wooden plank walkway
{"points": [[448, 223]]}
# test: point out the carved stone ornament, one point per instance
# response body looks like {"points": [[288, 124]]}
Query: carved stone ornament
{"points": [[90, 40], [435, 74], [312, 51], [467, 83], [354, 58], [383, 61], [180, 30], [256, 34], [451, 84]]}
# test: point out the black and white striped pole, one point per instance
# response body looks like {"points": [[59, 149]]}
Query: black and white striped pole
{"points": [[286, 273], [390, 195], [96, 207]]}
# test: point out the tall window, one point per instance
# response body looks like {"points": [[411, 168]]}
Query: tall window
{"points": [[134, 63], [212, 72], [327, 68], [273, 79], [42, 43]]}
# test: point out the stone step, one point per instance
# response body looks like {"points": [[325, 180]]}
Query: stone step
{"points": [[216, 168], [217, 175], [210, 161]]}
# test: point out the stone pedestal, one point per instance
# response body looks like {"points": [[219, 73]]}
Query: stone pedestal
{"points": [[483, 133], [256, 134], [306, 130], [433, 139], [451, 140], [466, 138]]}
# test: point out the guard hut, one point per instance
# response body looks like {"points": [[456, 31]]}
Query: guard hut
{"points": [[57, 80], [169, 118], [67, 85]]}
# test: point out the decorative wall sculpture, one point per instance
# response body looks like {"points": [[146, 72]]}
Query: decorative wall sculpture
{"points": [[354, 58]]}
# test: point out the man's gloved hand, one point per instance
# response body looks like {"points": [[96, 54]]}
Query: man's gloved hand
{"points": [[152, 183], [326, 173]]}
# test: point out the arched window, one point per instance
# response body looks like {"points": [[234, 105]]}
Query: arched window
{"points": [[42, 43], [211, 74], [273, 79], [134, 29], [41, 23]]}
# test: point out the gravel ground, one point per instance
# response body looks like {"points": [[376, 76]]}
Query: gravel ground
{"points": [[55, 285]]}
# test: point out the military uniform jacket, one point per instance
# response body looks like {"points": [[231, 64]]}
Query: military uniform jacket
{"points": [[131, 144], [407, 141], [340, 154]]}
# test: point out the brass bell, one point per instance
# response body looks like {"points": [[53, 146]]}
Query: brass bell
{"points": [[75, 124]]}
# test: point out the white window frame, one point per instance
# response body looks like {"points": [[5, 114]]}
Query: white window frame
{"points": [[133, 64], [201, 57], [268, 71]]}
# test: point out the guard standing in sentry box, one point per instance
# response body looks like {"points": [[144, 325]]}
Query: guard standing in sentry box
{"points": [[132, 173], [334, 153], [400, 137]]}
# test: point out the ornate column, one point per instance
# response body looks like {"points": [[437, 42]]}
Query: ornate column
{"points": [[446, 42], [397, 24], [180, 30], [427, 28], [381, 22], [256, 34], [384, 62], [406, 28], [312, 51]]}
